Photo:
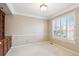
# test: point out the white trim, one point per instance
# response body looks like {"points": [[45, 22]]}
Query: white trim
{"points": [[11, 8], [29, 15]]}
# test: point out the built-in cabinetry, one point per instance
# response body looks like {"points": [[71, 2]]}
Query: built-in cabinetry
{"points": [[5, 41], [1, 48], [7, 44]]}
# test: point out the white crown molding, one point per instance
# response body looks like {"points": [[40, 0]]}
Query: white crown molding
{"points": [[10, 8], [63, 11], [30, 15]]}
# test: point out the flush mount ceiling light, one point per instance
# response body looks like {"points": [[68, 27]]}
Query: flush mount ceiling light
{"points": [[43, 7]]}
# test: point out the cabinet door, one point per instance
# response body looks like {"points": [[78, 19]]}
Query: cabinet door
{"points": [[1, 30], [2, 24], [1, 48], [5, 46]]}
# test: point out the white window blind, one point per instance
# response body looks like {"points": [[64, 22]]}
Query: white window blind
{"points": [[63, 27]]}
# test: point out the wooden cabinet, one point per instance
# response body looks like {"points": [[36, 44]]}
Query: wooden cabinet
{"points": [[5, 46], [2, 32], [1, 48], [2, 25], [5, 42]]}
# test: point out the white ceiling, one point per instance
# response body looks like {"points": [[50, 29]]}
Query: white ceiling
{"points": [[33, 9]]}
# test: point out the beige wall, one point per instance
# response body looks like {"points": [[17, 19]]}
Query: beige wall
{"points": [[72, 46], [25, 29]]}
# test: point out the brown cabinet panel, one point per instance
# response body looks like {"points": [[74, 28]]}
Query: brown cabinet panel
{"points": [[2, 21], [5, 46], [5, 42], [1, 47], [2, 15], [2, 24]]}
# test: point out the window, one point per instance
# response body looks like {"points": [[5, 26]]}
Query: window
{"points": [[56, 28], [64, 27], [71, 27]]}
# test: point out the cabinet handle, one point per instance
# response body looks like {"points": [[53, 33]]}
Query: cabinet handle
{"points": [[0, 42]]}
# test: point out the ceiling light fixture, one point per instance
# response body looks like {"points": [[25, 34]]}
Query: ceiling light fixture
{"points": [[43, 7]]}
